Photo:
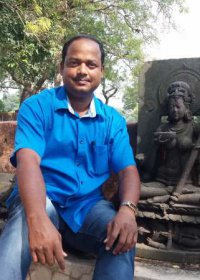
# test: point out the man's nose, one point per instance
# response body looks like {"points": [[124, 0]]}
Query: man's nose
{"points": [[82, 69]]}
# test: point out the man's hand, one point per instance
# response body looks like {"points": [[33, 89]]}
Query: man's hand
{"points": [[45, 242], [122, 230]]}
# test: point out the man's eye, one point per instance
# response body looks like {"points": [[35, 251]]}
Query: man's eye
{"points": [[72, 63], [92, 65]]}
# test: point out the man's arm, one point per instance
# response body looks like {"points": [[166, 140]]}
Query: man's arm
{"points": [[44, 239], [123, 228]]}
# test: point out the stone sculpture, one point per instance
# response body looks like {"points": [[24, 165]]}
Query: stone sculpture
{"points": [[170, 203], [177, 162]]}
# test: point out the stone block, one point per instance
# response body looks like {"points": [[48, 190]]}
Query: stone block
{"points": [[60, 276], [39, 272], [76, 269], [86, 277], [6, 184], [7, 133], [82, 271]]}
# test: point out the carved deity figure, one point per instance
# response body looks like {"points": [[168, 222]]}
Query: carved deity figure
{"points": [[177, 165]]}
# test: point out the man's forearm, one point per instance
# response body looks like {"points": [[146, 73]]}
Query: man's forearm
{"points": [[123, 226], [44, 239], [31, 183], [129, 185]]}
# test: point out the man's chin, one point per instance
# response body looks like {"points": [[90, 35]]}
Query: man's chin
{"points": [[84, 90], [79, 91]]}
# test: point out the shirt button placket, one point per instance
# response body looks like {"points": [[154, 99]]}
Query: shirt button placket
{"points": [[82, 141]]}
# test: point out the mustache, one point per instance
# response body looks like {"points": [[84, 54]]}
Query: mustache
{"points": [[81, 78]]}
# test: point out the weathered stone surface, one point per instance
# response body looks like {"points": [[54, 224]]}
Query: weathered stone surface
{"points": [[7, 132], [168, 165], [6, 184], [39, 272], [60, 276], [83, 271], [86, 277], [144, 270], [76, 269], [154, 80], [155, 270], [6, 177]]}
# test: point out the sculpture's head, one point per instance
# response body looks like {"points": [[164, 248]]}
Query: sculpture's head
{"points": [[180, 89], [179, 101]]}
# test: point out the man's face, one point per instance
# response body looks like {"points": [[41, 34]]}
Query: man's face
{"points": [[82, 70]]}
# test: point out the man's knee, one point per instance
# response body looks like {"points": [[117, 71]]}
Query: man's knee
{"points": [[98, 218]]}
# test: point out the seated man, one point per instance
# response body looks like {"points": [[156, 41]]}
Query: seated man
{"points": [[67, 144]]}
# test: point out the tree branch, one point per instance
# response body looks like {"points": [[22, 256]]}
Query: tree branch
{"points": [[40, 82], [114, 92], [17, 80], [8, 87], [14, 9]]}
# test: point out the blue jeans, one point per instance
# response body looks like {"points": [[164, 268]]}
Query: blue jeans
{"points": [[15, 257]]}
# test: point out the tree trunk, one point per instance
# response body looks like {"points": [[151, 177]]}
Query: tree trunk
{"points": [[26, 92]]}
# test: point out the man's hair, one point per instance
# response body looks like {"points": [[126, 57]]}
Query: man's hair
{"points": [[83, 36]]}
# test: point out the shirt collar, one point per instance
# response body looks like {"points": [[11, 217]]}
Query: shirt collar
{"points": [[91, 113], [62, 102]]}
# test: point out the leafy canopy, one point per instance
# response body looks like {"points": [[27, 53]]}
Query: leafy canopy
{"points": [[32, 33]]}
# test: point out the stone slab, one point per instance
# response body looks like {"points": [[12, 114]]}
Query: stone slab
{"points": [[181, 256], [82, 269], [155, 270], [76, 269]]}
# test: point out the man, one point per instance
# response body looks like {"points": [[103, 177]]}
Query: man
{"points": [[67, 143]]}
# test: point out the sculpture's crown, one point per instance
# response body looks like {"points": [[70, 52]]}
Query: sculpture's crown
{"points": [[180, 89]]}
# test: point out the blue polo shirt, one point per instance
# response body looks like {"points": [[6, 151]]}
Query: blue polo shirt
{"points": [[77, 154]]}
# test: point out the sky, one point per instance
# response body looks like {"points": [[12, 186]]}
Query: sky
{"points": [[183, 42]]}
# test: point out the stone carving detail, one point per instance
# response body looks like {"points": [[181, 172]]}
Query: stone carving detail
{"points": [[169, 208]]}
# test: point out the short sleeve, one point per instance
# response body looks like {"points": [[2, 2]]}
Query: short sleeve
{"points": [[30, 129], [121, 152]]}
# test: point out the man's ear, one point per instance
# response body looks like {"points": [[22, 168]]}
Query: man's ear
{"points": [[102, 71], [61, 68]]}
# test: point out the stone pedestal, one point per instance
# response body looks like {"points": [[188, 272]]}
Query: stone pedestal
{"points": [[82, 269]]}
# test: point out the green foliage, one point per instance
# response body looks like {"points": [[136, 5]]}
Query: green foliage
{"points": [[39, 27], [33, 32], [2, 107], [130, 96], [130, 99], [10, 102]]}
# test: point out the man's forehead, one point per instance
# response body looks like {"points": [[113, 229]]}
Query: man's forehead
{"points": [[84, 44]]}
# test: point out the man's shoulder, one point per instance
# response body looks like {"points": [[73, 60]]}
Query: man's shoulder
{"points": [[43, 96], [44, 101]]}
